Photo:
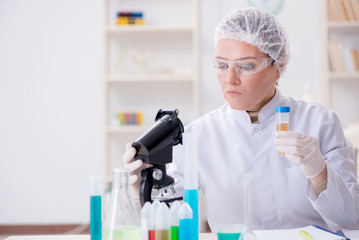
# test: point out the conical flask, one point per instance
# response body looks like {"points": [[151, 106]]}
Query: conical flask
{"points": [[121, 220]]}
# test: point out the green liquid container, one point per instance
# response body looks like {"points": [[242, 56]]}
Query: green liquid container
{"points": [[121, 220], [122, 233], [228, 236], [174, 232]]}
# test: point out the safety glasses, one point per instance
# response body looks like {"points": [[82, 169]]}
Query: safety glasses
{"points": [[243, 67]]}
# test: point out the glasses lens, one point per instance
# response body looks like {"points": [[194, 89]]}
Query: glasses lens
{"points": [[221, 66], [244, 67], [249, 67]]}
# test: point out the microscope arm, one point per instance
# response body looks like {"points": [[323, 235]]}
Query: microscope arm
{"points": [[146, 185]]}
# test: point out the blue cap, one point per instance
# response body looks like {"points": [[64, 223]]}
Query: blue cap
{"points": [[282, 109]]}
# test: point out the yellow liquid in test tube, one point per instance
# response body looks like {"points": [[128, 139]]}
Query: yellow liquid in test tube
{"points": [[282, 127]]}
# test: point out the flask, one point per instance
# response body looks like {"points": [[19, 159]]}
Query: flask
{"points": [[121, 220]]}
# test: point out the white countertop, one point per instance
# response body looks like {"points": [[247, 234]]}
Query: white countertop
{"points": [[202, 236]]}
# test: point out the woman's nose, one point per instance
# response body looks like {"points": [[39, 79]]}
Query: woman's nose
{"points": [[232, 76]]}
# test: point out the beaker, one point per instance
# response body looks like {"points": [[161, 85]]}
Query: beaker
{"points": [[121, 220]]}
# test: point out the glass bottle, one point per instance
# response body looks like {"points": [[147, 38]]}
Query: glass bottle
{"points": [[121, 220]]}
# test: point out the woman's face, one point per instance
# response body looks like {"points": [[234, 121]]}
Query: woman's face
{"points": [[245, 92]]}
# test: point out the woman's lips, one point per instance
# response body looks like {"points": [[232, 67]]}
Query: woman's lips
{"points": [[233, 92]]}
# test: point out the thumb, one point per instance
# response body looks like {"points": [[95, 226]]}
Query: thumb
{"points": [[128, 146]]}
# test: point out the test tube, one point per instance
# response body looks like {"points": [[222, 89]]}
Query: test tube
{"points": [[190, 177], [95, 205], [148, 222], [185, 216], [174, 220], [163, 222], [282, 119]]}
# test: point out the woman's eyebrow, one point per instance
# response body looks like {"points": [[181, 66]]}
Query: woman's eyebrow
{"points": [[243, 58]]}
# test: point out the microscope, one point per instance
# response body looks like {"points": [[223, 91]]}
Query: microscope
{"points": [[155, 147]]}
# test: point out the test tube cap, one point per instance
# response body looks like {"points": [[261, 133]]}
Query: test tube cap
{"points": [[163, 217], [148, 214], [185, 211], [156, 204], [282, 109], [174, 213]]}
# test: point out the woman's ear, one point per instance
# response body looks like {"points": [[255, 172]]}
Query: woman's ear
{"points": [[277, 76]]}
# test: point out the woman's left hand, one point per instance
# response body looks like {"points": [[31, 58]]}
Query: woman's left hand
{"points": [[301, 149]]}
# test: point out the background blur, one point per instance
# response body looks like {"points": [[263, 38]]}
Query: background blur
{"points": [[51, 97]]}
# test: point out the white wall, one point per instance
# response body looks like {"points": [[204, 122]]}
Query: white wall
{"points": [[50, 102], [49, 109]]}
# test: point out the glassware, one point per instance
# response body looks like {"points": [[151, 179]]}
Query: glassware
{"points": [[230, 231], [249, 235], [282, 119], [163, 222], [121, 220]]}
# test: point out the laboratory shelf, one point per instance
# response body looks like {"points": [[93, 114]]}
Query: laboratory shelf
{"points": [[131, 90], [339, 40], [148, 29], [343, 24], [127, 129], [344, 75], [149, 78]]}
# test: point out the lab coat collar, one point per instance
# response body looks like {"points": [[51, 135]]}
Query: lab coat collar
{"points": [[269, 109], [264, 114]]}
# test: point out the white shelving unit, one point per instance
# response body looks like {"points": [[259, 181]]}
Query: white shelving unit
{"points": [[340, 90], [167, 79]]}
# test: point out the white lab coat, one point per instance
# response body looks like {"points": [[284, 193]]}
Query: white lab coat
{"points": [[230, 145]]}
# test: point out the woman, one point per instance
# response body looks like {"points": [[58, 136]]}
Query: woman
{"points": [[313, 183]]}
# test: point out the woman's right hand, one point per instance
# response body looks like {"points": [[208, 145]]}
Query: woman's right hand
{"points": [[135, 167]]}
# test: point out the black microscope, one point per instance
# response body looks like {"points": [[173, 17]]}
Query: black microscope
{"points": [[155, 147]]}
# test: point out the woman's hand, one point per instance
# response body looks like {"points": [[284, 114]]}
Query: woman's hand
{"points": [[135, 167], [301, 149]]}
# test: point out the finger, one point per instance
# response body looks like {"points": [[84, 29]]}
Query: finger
{"points": [[147, 165], [129, 155], [139, 170], [134, 166], [128, 146], [293, 150], [290, 142], [134, 179], [289, 134], [294, 158]]}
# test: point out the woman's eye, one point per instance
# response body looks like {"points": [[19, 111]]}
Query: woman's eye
{"points": [[247, 67], [222, 66]]}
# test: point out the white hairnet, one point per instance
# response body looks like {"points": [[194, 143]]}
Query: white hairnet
{"points": [[259, 28]]}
